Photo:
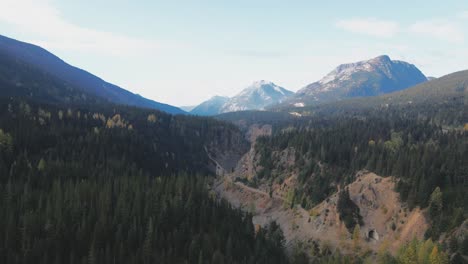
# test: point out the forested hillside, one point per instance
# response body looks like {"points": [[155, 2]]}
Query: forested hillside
{"points": [[304, 163], [19, 79], [99, 134], [118, 185], [123, 216], [421, 155]]}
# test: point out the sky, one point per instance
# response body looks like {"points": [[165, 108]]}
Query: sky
{"points": [[184, 52]]}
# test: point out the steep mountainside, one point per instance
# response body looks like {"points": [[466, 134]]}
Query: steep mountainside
{"points": [[257, 96], [31, 56], [373, 77]]}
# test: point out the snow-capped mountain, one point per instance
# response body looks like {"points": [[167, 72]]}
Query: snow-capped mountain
{"points": [[210, 107], [372, 77], [255, 97]]}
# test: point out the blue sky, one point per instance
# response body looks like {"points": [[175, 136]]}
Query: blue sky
{"points": [[183, 52]]}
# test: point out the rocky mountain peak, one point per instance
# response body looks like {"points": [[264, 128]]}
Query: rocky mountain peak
{"points": [[371, 77]]}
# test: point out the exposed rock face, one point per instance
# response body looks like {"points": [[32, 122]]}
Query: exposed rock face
{"points": [[246, 168], [225, 152], [386, 220], [256, 131]]}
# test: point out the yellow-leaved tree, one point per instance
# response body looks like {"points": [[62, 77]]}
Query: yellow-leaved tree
{"points": [[152, 118], [356, 238], [438, 257]]}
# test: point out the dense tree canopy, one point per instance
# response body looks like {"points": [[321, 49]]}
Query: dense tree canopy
{"points": [[98, 185]]}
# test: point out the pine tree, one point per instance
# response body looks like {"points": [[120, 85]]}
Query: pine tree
{"points": [[217, 258], [148, 244], [200, 257]]}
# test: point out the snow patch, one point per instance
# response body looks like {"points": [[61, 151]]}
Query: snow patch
{"points": [[299, 104]]}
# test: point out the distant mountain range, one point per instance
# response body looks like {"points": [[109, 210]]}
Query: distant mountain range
{"points": [[444, 98], [257, 96], [31, 71], [376, 76], [373, 77], [21, 55]]}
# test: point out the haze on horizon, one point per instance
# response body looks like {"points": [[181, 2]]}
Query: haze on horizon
{"points": [[182, 53]]}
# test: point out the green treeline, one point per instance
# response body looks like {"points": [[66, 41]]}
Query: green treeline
{"points": [[78, 139]]}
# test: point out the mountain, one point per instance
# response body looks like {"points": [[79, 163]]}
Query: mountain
{"points": [[210, 107], [443, 99], [23, 54], [187, 108], [373, 77], [257, 96]]}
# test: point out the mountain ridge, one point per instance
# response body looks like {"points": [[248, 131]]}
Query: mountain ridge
{"points": [[49, 63]]}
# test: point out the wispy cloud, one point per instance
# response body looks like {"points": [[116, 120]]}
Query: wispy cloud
{"points": [[442, 29], [439, 29], [369, 26], [44, 20]]}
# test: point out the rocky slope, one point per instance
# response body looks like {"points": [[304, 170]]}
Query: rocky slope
{"points": [[387, 222]]}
